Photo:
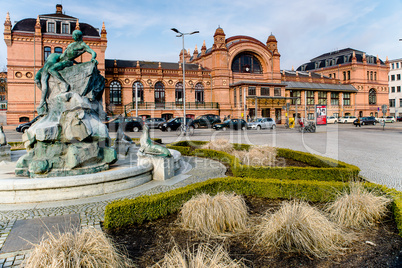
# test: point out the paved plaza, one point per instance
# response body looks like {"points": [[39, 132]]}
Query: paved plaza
{"points": [[375, 151]]}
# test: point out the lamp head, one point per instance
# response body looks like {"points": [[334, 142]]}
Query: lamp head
{"points": [[175, 30]]}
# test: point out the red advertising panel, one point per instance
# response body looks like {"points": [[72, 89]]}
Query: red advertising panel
{"points": [[321, 114]]}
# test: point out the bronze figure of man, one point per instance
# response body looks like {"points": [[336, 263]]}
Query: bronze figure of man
{"points": [[57, 62]]}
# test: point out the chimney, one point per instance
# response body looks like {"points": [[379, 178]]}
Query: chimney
{"points": [[59, 9]]}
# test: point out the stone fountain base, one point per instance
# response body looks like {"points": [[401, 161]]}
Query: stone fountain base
{"points": [[124, 175]]}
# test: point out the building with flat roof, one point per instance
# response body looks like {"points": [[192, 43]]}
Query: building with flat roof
{"points": [[395, 85]]}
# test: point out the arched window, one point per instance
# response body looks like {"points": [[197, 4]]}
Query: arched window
{"points": [[46, 52], [115, 92], [199, 92], [140, 91], [24, 119], [372, 96], [159, 94], [58, 50], [179, 92], [246, 63]]}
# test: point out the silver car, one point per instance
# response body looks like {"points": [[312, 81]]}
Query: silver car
{"points": [[261, 123]]}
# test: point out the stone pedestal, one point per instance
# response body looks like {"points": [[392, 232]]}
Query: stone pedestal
{"points": [[163, 167], [70, 139], [5, 153]]}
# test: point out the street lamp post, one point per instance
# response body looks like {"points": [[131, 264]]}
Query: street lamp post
{"points": [[180, 34]]}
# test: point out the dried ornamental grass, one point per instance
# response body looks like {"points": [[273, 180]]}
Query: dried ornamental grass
{"points": [[258, 156], [204, 256], [87, 248], [298, 227], [358, 207], [216, 215], [222, 145]]}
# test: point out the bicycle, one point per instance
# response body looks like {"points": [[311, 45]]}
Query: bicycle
{"points": [[185, 130]]}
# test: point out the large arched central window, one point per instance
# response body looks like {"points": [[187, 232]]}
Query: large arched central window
{"points": [[372, 96], [159, 94], [115, 92], [140, 91], [246, 62]]}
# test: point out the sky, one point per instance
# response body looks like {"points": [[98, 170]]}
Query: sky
{"points": [[304, 29]]}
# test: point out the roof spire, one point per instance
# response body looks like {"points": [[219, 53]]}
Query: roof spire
{"points": [[103, 31], [77, 25]]}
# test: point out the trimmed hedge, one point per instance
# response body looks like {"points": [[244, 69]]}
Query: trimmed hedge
{"points": [[318, 187], [127, 212], [323, 168]]}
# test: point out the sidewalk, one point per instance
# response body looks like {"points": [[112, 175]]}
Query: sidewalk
{"points": [[19, 223]]}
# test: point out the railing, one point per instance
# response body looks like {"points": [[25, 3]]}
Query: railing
{"points": [[170, 106]]}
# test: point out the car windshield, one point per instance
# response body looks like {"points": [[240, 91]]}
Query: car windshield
{"points": [[257, 120], [227, 121], [199, 117]]}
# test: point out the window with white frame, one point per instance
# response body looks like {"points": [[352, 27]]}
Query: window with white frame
{"points": [[65, 28], [51, 27]]}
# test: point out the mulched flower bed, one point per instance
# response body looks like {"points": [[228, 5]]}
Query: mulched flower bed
{"points": [[378, 246]]}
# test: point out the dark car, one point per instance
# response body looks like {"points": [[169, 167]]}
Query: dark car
{"points": [[127, 124], [369, 120], [175, 123], [24, 126], [231, 123], [207, 120], [399, 119], [154, 122]]}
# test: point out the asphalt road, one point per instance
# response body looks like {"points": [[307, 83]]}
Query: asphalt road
{"points": [[377, 152]]}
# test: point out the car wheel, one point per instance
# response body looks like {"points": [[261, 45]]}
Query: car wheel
{"points": [[224, 129], [244, 128], [273, 127], [258, 127], [168, 129], [136, 129]]}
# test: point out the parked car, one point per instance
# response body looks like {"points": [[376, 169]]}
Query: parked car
{"points": [[24, 126], [231, 123], [207, 120], [332, 120], [127, 124], [399, 119], [174, 123], [369, 120], [262, 123], [347, 119], [387, 119], [154, 122]]}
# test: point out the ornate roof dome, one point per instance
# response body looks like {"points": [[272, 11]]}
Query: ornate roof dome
{"points": [[271, 38], [219, 31]]}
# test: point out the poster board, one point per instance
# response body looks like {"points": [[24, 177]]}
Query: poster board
{"points": [[321, 114]]}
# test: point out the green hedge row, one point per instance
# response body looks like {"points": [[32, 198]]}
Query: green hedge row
{"points": [[322, 168], [122, 213], [127, 212]]}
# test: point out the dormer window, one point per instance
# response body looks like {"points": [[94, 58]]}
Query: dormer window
{"points": [[51, 27], [65, 28]]}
